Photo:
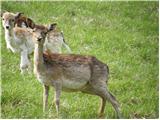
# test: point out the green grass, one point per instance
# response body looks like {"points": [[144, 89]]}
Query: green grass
{"points": [[122, 34]]}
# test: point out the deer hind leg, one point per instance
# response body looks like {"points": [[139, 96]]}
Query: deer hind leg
{"points": [[114, 103], [92, 89], [102, 91], [45, 97], [106, 95], [102, 107]]}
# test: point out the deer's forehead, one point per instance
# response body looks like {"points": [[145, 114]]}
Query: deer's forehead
{"points": [[40, 31], [8, 16], [37, 33]]}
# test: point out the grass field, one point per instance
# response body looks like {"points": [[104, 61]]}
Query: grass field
{"points": [[122, 34]]}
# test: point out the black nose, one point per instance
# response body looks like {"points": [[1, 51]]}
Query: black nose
{"points": [[7, 27], [39, 39]]}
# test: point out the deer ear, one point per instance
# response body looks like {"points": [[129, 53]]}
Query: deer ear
{"points": [[1, 14], [52, 26], [30, 23], [2, 11], [34, 29], [18, 15]]}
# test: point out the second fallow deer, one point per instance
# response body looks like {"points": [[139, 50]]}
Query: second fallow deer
{"points": [[55, 38], [18, 40]]}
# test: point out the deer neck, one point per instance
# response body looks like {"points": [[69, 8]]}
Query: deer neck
{"points": [[38, 59], [8, 34], [9, 38]]}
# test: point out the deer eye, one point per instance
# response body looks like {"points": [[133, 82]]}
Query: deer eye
{"points": [[12, 20], [43, 34]]}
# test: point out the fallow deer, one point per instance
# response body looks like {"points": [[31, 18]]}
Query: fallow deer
{"points": [[71, 73], [18, 40], [55, 38]]}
